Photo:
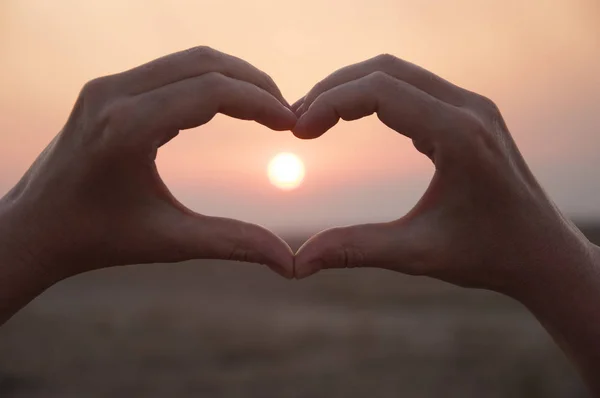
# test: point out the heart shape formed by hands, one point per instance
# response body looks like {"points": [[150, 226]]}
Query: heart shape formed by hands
{"points": [[471, 226], [94, 197], [114, 209]]}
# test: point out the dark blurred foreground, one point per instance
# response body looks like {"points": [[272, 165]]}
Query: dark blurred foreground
{"points": [[219, 329]]}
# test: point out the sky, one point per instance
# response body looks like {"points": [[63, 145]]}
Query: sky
{"points": [[539, 60]]}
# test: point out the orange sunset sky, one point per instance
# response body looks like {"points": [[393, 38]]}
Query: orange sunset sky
{"points": [[538, 59]]}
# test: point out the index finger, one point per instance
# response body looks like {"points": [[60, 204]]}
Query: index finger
{"points": [[399, 105], [195, 62], [157, 115], [395, 67]]}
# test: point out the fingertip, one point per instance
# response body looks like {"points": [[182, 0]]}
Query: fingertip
{"points": [[291, 118], [302, 129], [297, 104], [305, 272], [286, 120], [241, 241], [299, 130], [304, 269], [306, 259], [315, 122], [277, 255], [300, 110], [272, 88], [284, 101]]}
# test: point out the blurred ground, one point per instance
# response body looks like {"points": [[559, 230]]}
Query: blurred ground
{"points": [[221, 329]]}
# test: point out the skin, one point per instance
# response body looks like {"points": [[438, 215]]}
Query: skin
{"points": [[484, 221], [94, 199]]}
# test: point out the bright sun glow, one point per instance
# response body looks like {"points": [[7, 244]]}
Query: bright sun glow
{"points": [[286, 171]]}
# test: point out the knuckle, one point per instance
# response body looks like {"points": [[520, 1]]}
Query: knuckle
{"points": [[469, 127], [96, 90], [214, 80], [379, 79], [238, 253], [88, 118], [214, 85], [317, 89], [488, 106], [201, 52], [350, 257], [346, 255], [386, 60], [483, 127], [476, 134], [118, 116], [268, 81], [104, 130], [472, 125], [242, 245]]}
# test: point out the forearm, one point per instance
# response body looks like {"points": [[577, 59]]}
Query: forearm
{"points": [[566, 301]]}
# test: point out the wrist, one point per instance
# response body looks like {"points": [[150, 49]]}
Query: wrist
{"points": [[21, 258], [565, 298], [561, 270]]}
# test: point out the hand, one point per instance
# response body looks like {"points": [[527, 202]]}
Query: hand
{"points": [[94, 197], [483, 222]]}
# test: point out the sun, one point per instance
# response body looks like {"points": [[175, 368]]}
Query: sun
{"points": [[286, 171]]}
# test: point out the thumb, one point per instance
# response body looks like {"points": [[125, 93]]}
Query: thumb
{"points": [[203, 237], [385, 245]]}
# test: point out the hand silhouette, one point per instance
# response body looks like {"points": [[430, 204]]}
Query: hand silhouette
{"points": [[94, 197], [483, 222]]}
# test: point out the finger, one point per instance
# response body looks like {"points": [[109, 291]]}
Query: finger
{"points": [[297, 104], [193, 102], [195, 236], [395, 67], [300, 110], [398, 104], [385, 245], [191, 63]]}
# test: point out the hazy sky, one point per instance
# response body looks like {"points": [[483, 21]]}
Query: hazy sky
{"points": [[539, 60]]}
